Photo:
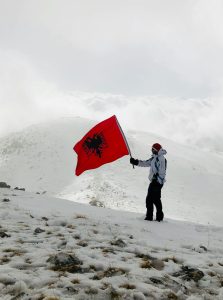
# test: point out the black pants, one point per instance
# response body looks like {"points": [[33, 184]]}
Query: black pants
{"points": [[154, 198]]}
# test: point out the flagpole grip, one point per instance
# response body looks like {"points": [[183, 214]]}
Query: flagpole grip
{"points": [[127, 145], [131, 157]]}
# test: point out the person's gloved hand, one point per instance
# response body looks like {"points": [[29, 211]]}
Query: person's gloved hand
{"points": [[134, 161]]}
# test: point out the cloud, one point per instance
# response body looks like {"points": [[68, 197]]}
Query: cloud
{"points": [[130, 47], [21, 92], [156, 64], [26, 98]]}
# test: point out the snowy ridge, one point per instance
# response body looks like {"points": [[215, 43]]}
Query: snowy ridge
{"points": [[41, 158], [57, 249]]}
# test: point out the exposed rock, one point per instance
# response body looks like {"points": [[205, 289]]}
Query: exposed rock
{"points": [[3, 234], [204, 248], [65, 262], [200, 249], [157, 264], [82, 244], [4, 185], [38, 230], [97, 203], [156, 280], [77, 237], [188, 274], [5, 200], [110, 272], [19, 189], [119, 243], [72, 290], [144, 256]]}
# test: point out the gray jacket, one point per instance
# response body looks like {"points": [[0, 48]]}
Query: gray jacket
{"points": [[157, 164]]}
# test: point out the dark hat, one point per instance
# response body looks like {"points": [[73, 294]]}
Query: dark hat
{"points": [[156, 147]]}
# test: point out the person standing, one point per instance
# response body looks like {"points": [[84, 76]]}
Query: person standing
{"points": [[157, 174]]}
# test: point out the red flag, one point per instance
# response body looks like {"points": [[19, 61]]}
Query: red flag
{"points": [[104, 143]]}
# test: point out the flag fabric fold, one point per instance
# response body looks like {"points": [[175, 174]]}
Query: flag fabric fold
{"points": [[103, 144]]}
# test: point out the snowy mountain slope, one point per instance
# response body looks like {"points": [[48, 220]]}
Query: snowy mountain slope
{"points": [[41, 158], [57, 249]]}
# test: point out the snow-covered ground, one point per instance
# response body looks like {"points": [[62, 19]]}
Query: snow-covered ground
{"points": [[56, 246], [41, 158], [56, 249]]}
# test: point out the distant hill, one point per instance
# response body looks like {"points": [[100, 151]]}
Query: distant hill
{"points": [[41, 158]]}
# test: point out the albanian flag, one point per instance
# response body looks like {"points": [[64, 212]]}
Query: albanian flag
{"points": [[103, 144]]}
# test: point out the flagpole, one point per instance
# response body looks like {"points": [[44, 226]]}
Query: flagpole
{"points": [[126, 142]]}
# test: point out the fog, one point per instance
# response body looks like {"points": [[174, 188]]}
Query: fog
{"points": [[156, 64]]}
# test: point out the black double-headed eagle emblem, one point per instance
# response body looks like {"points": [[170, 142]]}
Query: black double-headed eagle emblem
{"points": [[95, 144]]}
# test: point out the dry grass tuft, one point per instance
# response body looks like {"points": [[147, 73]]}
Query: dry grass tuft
{"points": [[128, 286], [115, 295], [93, 268], [20, 241], [80, 217], [71, 226], [174, 259], [146, 264], [75, 281], [144, 256], [211, 274], [172, 296], [108, 250], [110, 272], [91, 291], [14, 252], [4, 260]]}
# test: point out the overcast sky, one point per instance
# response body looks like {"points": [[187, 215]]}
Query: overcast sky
{"points": [[50, 48], [133, 47]]}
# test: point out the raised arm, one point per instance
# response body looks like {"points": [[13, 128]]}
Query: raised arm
{"points": [[145, 163]]}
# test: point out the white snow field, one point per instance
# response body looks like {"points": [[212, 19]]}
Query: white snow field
{"points": [[52, 248], [56, 249], [41, 158]]}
